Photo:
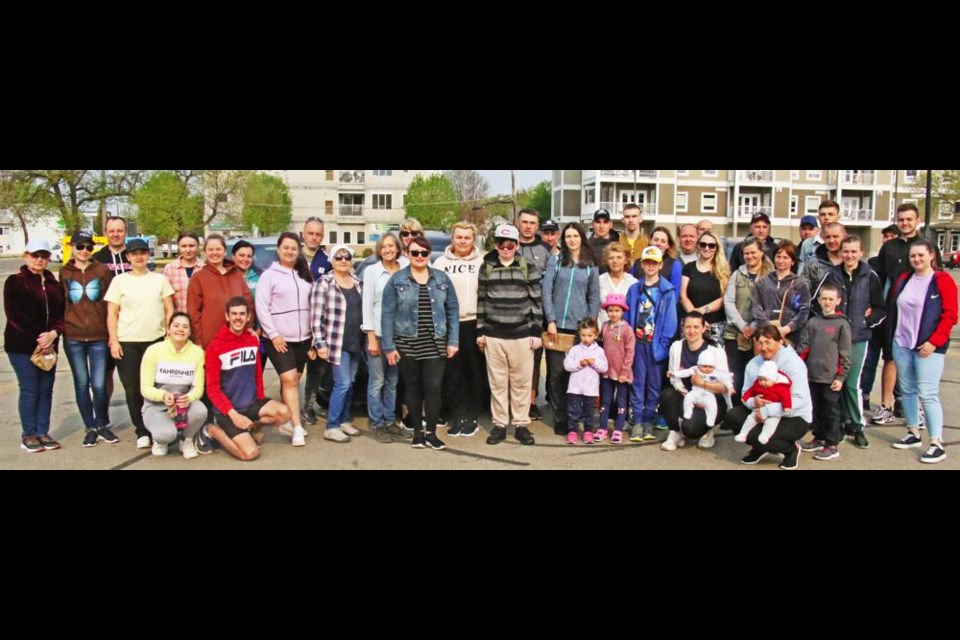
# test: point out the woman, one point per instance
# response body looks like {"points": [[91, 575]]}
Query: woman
{"points": [[181, 269], [139, 308], [336, 312], [171, 381], [243, 259], [671, 268], [771, 347], [421, 330], [410, 228], [684, 354], [703, 284], [738, 305], [571, 293], [615, 280], [210, 289], [465, 382], [283, 311], [85, 282], [783, 297], [382, 378], [33, 303], [924, 310]]}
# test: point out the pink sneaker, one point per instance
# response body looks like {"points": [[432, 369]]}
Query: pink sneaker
{"points": [[601, 435], [588, 437], [572, 437], [617, 437]]}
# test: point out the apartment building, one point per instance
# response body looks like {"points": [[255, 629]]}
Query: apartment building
{"points": [[729, 197]]}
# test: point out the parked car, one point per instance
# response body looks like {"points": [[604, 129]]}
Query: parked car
{"points": [[264, 250], [56, 253], [951, 259]]}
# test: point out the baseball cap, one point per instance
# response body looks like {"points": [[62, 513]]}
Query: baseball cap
{"points": [[550, 225], [892, 229], [137, 245], [37, 245], [601, 213], [507, 232], [760, 216], [652, 253], [81, 237], [340, 247], [809, 220]]}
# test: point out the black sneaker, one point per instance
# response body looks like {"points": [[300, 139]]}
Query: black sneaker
{"points": [[107, 436], [48, 443], [792, 459], [31, 444], [497, 435], [310, 415], [860, 440], [755, 456], [203, 442], [908, 441], [469, 428], [848, 429], [535, 412], [418, 440], [934, 454], [442, 423], [560, 429], [432, 441], [90, 438], [866, 402], [524, 436], [456, 427], [897, 408]]}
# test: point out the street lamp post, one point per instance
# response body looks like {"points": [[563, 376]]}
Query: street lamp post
{"points": [[926, 208]]}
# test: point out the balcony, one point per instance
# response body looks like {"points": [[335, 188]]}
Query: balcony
{"points": [[854, 178], [616, 209], [350, 211], [851, 215], [629, 174], [746, 212], [754, 176], [352, 179]]}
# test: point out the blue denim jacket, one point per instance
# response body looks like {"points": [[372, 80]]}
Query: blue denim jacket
{"points": [[399, 308]]}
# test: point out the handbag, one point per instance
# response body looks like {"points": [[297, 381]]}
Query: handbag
{"points": [[44, 360], [744, 343], [562, 342], [783, 305]]}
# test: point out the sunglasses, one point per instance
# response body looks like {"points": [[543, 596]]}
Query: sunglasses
{"points": [[708, 245], [342, 257], [40, 256], [83, 247], [506, 244], [407, 234], [419, 254]]}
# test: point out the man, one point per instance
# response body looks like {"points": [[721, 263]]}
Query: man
{"points": [[760, 229], [235, 387], [182, 268], [114, 255], [536, 253], [319, 264], [704, 226], [509, 326], [688, 235], [891, 263], [824, 265], [633, 239], [808, 227], [828, 212], [603, 234], [550, 235], [878, 342]]}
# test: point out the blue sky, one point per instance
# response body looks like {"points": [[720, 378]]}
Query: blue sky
{"points": [[499, 179]]}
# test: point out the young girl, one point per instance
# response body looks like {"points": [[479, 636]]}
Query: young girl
{"points": [[618, 347], [773, 386], [585, 362], [698, 396]]}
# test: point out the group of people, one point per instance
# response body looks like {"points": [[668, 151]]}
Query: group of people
{"points": [[639, 333]]}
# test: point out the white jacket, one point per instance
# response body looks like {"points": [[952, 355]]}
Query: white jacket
{"points": [[465, 274], [674, 365]]}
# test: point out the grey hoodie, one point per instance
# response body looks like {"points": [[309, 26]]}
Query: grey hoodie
{"points": [[827, 344]]}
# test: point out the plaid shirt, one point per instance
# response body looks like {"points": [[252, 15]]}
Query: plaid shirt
{"points": [[328, 309], [177, 276]]}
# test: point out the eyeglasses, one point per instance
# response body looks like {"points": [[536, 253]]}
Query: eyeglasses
{"points": [[419, 254], [407, 234], [506, 244], [708, 245], [83, 247], [40, 256], [341, 256]]}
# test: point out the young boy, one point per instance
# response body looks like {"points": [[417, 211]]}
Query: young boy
{"points": [[826, 349], [653, 316]]}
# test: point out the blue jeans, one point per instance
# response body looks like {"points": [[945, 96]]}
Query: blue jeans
{"points": [[920, 377], [381, 391], [343, 374], [36, 395], [88, 363]]}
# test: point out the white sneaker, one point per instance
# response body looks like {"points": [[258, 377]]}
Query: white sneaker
{"points": [[674, 440], [349, 429], [336, 435], [188, 450], [143, 442], [157, 449], [286, 429], [707, 441], [298, 436]]}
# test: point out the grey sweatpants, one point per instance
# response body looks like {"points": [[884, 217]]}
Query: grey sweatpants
{"points": [[161, 426]]}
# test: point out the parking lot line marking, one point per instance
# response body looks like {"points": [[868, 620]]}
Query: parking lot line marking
{"points": [[131, 461]]}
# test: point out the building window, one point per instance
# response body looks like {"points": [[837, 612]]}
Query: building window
{"points": [[683, 173], [329, 174], [814, 175], [360, 237], [710, 173], [810, 205], [793, 205], [333, 237], [328, 207], [589, 196], [681, 201], [708, 203], [795, 174], [346, 237], [383, 201], [912, 175], [383, 172], [954, 242], [940, 241]]}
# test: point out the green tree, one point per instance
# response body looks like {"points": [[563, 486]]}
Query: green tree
{"points": [[166, 206], [20, 197], [432, 201], [471, 189], [541, 199], [266, 204], [72, 191], [944, 191]]}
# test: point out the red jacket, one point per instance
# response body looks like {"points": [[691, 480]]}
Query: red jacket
{"points": [[780, 392]]}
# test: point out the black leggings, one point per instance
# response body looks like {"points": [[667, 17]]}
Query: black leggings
{"points": [[671, 408], [784, 438], [465, 385], [423, 384], [129, 368]]}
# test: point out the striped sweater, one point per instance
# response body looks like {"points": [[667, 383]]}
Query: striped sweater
{"points": [[508, 299]]}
